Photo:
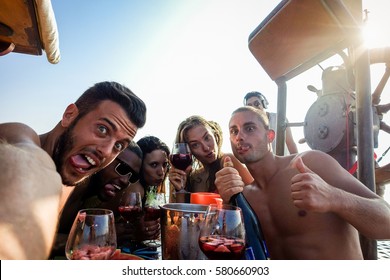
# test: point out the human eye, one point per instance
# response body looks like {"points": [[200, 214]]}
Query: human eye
{"points": [[250, 128], [119, 146], [102, 129], [154, 164], [209, 137], [194, 145], [233, 131]]}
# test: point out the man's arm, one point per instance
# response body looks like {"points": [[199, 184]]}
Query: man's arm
{"points": [[29, 195], [333, 189], [291, 146]]}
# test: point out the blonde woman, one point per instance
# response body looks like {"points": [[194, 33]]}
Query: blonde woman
{"points": [[205, 141]]}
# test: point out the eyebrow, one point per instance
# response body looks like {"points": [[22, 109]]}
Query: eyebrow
{"points": [[244, 125], [115, 128], [193, 141]]}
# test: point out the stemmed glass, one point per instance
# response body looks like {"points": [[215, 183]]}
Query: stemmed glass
{"points": [[130, 207], [152, 212], [92, 236], [181, 158], [222, 236]]}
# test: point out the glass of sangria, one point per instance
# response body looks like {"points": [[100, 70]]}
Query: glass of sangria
{"points": [[130, 207], [93, 236], [222, 236], [152, 212]]}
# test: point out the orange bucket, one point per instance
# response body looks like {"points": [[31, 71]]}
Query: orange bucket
{"points": [[205, 198]]}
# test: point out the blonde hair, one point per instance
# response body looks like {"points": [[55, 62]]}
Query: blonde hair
{"points": [[181, 136]]}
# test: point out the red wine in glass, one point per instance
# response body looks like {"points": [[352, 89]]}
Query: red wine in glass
{"points": [[130, 213], [218, 247], [181, 156], [152, 213], [130, 207], [181, 161]]}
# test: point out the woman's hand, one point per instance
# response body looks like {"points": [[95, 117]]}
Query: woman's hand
{"points": [[150, 230], [178, 178], [138, 231]]}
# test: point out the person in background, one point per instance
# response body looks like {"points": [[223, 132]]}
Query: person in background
{"points": [[152, 174], [205, 141], [155, 163], [91, 134], [258, 100], [301, 200], [99, 190]]}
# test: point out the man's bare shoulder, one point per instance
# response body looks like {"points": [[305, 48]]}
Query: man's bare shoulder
{"points": [[317, 160], [18, 133]]}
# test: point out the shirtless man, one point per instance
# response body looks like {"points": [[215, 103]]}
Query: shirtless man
{"points": [[92, 132], [308, 205]]}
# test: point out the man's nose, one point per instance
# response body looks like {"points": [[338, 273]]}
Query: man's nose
{"points": [[124, 180], [238, 136], [106, 149]]}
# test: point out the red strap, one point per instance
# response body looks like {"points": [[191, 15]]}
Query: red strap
{"points": [[355, 166]]}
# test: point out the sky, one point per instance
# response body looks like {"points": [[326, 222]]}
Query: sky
{"points": [[182, 58]]}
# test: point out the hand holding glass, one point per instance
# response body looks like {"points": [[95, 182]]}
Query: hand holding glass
{"points": [[181, 158], [152, 212]]}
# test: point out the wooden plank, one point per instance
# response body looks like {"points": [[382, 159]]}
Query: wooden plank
{"points": [[20, 16], [297, 35]]}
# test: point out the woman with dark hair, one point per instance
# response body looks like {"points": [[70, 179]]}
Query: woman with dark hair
{"points": [[155, 163], [205, 141], [152, 175]]}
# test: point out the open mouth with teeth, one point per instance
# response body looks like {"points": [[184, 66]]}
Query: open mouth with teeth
{"points": [[82, 162]]}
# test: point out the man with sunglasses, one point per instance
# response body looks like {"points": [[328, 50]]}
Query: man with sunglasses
{"points": [[102, 190]]}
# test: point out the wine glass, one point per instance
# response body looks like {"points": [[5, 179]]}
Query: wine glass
{"points": [[152, 212], [181, 156], [222, 236], [92, 236], [130, 207]]}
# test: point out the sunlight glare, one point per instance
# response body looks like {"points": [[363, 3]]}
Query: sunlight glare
{"points": [[373, 33]]}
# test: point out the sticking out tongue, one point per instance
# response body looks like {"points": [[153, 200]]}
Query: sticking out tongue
{"points": [[80, 161]]}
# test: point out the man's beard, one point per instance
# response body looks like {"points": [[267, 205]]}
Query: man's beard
{"points": [[64, 144]]}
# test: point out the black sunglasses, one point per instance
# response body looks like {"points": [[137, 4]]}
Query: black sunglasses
{"points": [[124, 169]]}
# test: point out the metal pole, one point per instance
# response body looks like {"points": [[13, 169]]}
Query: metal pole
{"points": [[365, 139], [281, 116]]}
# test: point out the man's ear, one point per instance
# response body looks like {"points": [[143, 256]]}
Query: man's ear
{"points": [[271, 135], [71, 112]]}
